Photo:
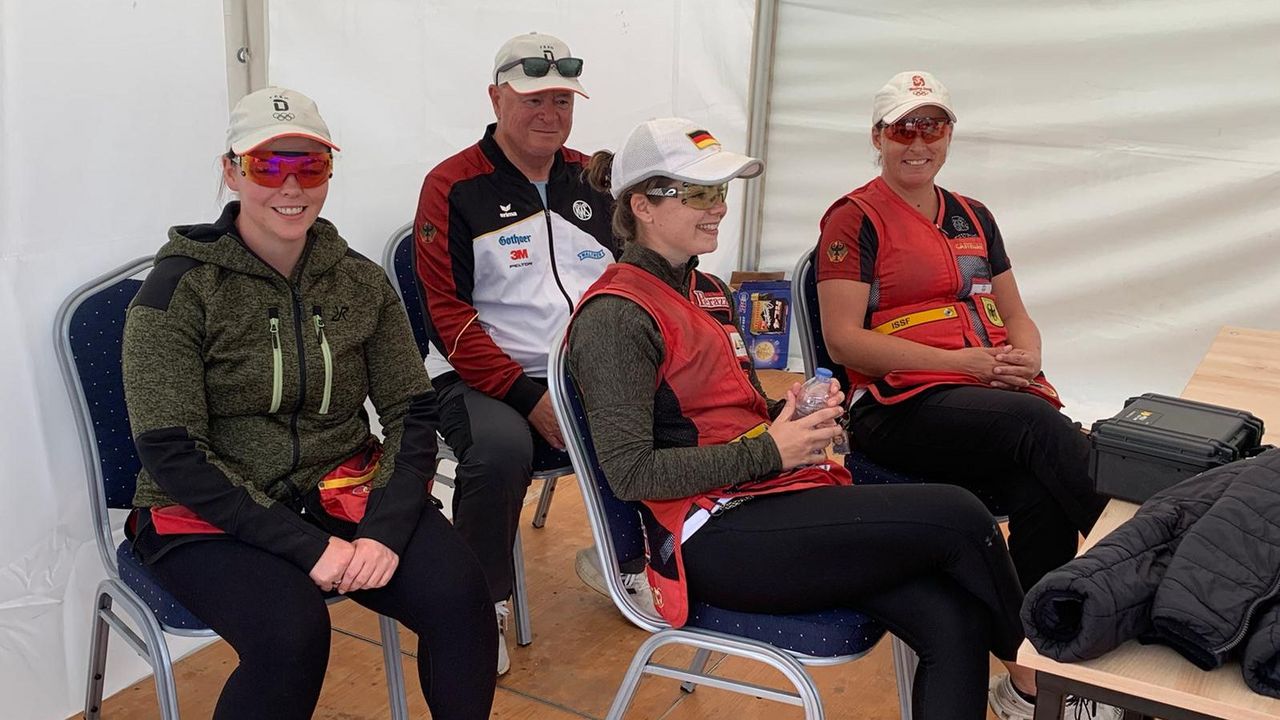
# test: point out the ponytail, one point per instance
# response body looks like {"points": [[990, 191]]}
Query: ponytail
{"points": [[599, 174]]}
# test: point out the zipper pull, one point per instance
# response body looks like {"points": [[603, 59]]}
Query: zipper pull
{"points": [[277, 360], [318, 320]]}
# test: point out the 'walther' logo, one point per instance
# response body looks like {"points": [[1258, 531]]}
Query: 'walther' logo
{"points": [[591, 255], [513, 239]]}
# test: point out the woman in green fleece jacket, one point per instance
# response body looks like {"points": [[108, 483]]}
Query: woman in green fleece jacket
{"points": [[249, 353]]}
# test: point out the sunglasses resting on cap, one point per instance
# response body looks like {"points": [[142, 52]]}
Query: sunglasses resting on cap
{"points": [[537, 67]]}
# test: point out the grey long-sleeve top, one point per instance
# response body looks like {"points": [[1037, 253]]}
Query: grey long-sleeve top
{"points": [[648, 450]]}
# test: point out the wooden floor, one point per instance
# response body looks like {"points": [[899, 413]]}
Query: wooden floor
{"points": [[581, 649]]}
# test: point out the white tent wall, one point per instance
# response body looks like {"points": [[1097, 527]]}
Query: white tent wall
{"points": [[1129, 150], [402, 84], [112, 113]]}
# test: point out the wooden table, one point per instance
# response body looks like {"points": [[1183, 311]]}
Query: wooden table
{"points": [[1240, 370]]}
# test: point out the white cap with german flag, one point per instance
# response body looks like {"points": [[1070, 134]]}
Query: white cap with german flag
{"points": [[679, 149]]}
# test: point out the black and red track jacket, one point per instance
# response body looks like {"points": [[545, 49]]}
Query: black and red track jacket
{"points": [[500, 273]]}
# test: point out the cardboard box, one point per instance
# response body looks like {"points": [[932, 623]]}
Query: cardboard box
{"points": [[764, 319]]}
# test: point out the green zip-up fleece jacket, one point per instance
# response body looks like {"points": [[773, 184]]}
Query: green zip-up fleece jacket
{"points": [[245, 388]]}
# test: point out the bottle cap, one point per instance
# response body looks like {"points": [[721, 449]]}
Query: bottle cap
{"points": [[823, 373]]}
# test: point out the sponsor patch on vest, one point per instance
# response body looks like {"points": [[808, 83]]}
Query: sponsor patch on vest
{"points": [[514, 239], [428, 232], [581, 210], [968, 245], [505, 211], [960, 224], [739, 345], [989, 305], [711, 302], [591, 255], [837, 251]]}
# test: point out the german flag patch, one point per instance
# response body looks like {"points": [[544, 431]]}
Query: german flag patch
{"points": [[703, 139]]}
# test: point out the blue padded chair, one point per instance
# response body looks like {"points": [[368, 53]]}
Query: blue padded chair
{"points": [[786, 643], [398, 261], [88, 333]]}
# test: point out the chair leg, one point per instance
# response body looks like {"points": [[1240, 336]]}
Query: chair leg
{"points": [[631, 681], [904, 669], [698, 665], [149, 642], [544, 502], [393, 661], [99, 636], [520, 595]]}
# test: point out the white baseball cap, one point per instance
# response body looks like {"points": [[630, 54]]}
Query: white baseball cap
{"points": [[507, 67], [907, 91], [271, 113], [679, 149]]}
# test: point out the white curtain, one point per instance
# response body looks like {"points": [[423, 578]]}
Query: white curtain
{"points": [[1130, 152], [403, 84], [111, 114]]}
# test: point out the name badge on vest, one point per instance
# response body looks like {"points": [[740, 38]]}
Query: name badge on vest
{"points": [[739, 346]]}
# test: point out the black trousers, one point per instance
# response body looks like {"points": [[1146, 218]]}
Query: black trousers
{"points": [[1033, 456], [926, 560], [276, 619], [495, 447]]}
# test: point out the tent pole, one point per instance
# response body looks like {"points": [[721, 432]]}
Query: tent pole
{"points": [[762, 51]]}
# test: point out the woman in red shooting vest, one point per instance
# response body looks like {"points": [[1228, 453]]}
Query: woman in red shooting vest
{"points": [[742, 508], [945, 363]]}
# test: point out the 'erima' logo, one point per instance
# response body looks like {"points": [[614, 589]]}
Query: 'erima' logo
{"points": [[513, 239], [505, 211]]}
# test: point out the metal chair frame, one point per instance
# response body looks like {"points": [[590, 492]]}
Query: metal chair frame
{"points": [[792, 665], [112, 593]]}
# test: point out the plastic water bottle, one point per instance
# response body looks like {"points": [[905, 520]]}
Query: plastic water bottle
{"points": [[813, 397]]}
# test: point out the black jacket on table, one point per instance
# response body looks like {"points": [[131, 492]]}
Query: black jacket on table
{"points": [[1197, 568]]}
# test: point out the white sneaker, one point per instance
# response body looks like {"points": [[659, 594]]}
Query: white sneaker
{"points": [[587, 565], [1005, 702], [502, 612]]}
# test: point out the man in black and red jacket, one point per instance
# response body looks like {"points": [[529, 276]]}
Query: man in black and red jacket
{"points": [[508, 236]]}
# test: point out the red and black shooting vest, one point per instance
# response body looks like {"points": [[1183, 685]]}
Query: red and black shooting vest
{"points": [[706, 365], [930, 288]]}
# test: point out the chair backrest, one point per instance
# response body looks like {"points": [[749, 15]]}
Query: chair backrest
{"points": [[804, 292], [398, 261], [88, 334], [615, 524]]}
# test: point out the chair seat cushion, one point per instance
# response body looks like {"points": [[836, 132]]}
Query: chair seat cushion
{"points": [[137, 576], [828, 633]]}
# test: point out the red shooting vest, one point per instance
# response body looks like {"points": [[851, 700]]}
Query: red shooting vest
{"points": [[706, 366], [933, 290]]}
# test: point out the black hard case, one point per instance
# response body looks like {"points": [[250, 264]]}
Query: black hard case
{"points": [[1157, 440]]}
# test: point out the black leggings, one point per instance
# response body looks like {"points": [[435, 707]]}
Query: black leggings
{"points": [[1033, 456], [926, 560], [277, 621]]}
